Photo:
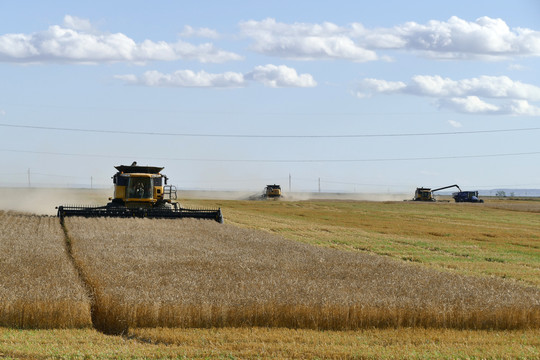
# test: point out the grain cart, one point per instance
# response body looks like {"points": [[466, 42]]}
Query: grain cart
{"points": [[467, 196], [141, 191]]}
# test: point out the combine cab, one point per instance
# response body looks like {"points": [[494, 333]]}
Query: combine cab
{"points": [[141, 191], [272, 191]]}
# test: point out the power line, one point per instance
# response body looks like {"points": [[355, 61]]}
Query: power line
{"points": [[124, 132], [281, 160]]}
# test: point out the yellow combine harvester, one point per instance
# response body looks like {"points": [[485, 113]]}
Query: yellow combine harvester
{"points": [[272, 191], [426, 194], [141, 191]]}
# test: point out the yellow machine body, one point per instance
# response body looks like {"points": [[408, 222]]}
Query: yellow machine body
{"points": [[423, 194], [273, 191]]}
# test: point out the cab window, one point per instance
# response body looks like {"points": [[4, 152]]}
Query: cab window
{"points": [[140, 188]]}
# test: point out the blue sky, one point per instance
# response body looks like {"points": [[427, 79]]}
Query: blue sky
{"points": [[235, 95]]}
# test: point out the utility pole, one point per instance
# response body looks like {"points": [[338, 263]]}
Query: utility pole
{"points": [[91, 183], [29, 178], [289, 182], [319, 184]]}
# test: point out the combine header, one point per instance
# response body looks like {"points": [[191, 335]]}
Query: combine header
{"points": [[141, 191]]}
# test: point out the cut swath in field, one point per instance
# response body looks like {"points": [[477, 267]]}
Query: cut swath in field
{"points": [[191, 273], [39, 287]]}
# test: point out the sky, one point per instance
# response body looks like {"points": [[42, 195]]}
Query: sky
{"points": [[341, 96]]}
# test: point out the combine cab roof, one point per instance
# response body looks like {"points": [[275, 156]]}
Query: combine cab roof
{"points": [[139, 169]]}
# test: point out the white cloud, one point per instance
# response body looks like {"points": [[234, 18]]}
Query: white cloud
{"points": [[280, 76], [2, 112], [466, 95], [185, 78], [522, 107], [469, 105], [199, 32], [269, 75], [368, 86], [516, 67], [485, 38], [486, 86], [75, 23], [77, 42], [455, 123], [302, 41]]}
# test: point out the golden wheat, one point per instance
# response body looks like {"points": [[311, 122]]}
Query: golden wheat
{"points": [[192, 273], [39, 287]]}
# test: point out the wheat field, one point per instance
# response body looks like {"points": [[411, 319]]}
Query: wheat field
{"points": [[39, 287], [193, 273], [126, 261]]}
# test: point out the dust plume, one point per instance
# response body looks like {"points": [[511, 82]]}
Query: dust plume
{"points": [[42, 201]]}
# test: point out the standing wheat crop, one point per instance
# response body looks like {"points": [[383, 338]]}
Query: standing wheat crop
{"points": [[39, 287], [192, 273]]}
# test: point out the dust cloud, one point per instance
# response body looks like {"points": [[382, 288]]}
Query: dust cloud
{"points": [[345, 196], [290, 196], [42, 201]]}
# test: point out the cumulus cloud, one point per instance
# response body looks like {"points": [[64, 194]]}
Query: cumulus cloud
{"points": [[455, 123], [516, 67], [470, 105], [369, 86], [268, 75], [280, 76], [466, 95], [199, 32], [76, 23], [458, 38], [522, 107], [437, 86], [485, 38], [185, 78], [77, 42], [302, 41]]}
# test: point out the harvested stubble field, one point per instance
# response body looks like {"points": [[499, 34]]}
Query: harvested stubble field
{"points": [[271, 343], [39, 287], [499, 238], [192, 273]]}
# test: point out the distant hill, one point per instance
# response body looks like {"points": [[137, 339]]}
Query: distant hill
{"points": [[494, 192], [511, 192]]}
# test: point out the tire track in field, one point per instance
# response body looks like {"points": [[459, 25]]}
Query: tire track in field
{"points": [[82, 278]]}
